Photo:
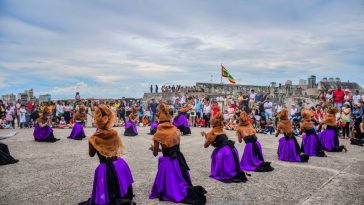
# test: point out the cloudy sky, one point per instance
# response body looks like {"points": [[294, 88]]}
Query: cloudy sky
{"points": [[118, 48]]}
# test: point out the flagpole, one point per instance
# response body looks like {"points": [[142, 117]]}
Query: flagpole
{"points": [[221, 74]]}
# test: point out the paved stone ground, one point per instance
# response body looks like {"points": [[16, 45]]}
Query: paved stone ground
{"points": [[62, 173]]}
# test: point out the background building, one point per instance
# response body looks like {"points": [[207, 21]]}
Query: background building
{"points": [[9, 98], [302, 82], [311, 81], [27, 95], [44, 98]]}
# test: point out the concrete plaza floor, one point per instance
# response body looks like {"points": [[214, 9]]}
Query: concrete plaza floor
{"points": [[62, 172]]}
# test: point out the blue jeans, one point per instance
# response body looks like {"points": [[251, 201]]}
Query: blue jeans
{"points": [[268, 116], [338, 105], [152, 117]]}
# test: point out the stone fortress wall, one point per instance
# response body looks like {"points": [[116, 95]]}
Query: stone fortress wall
{"points": [[304, 95]]}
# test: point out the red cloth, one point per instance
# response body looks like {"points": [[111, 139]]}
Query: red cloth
{"points": [[215, 110], [30, 107], [339, 96]]}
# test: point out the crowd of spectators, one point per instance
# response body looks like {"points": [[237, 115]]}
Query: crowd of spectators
{"points": [[259, 106]]}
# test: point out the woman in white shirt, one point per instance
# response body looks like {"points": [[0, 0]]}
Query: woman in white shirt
{"points": [[207, 113], [22, 119]]}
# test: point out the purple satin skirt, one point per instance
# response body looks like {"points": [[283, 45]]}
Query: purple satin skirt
{"points": [[169, 184], [287, 150], [153, 127], [328, 141], [42, 133], [249, 161], [223, 164], [181, 120], [99, 192], [77, 132], [310, 145], [130, 129]]}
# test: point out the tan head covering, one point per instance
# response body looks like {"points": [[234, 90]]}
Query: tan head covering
{"points": [[217, 123], [106, 140], [330, 117], [283, 114], [164, 113], [245, 127], [167, 134], [81, 113], [285, 125], [43, 118], [306, 122]]}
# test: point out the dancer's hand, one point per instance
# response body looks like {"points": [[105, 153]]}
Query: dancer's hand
{"points": [[203, 133]]}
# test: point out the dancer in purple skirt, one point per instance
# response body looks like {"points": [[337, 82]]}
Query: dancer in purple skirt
{"points": [[288, 148], [42, 131], [153, 126], [252, 159], [131, 125], [181, 121], [329, 137], [113, 179], [77, 131], [311, 144], [225, 165], [173, 182]]}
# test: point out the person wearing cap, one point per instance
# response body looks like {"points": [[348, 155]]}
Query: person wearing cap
{"points": [[252, 159], [225, 165], [181, 121], [43, 131], [348, 97], [345, 119], [172, 182], [288, 147], [113, 181]]}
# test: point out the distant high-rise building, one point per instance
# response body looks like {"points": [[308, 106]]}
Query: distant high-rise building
{"points": [[302, 82], [289, 82], [44, 98], [311, 81], [9, 98], [27, 95]]}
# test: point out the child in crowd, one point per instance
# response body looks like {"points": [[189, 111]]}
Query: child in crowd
{"points": [[200, 122], [145, 120], [270, 127], [4, 124], [62, 123], [230, 124], [226, 117]]}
